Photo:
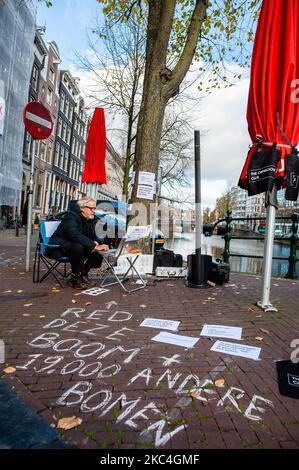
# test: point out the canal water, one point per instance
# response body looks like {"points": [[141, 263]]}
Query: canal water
{"points": [[184, 243]]}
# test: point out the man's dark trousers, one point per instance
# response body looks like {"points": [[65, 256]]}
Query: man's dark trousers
{"points": [[81, 259]]}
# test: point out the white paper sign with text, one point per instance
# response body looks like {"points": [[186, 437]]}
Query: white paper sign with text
{"points": [[250, 352], [221, 331], [161, 324]]}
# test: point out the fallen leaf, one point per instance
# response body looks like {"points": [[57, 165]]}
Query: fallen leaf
{"points": [[28, 305], [259, 338], [210, 283], [195, 394], [9, 370], [265, 331], [88, 303], [74, 301], [142, 306], [220, 383], [20, 291], [69, 423]]}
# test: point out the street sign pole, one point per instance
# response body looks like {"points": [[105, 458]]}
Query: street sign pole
{"points": [[39, 124], [30, 206]]}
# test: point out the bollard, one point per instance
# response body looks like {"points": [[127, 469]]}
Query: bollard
{"points": [[291, 274], [227, 236]]}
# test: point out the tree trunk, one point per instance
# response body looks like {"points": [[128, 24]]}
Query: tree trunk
{"points": [[154, 98], [160, 83]]}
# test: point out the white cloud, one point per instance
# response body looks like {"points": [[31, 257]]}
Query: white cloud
{"points": [[225, 140]]}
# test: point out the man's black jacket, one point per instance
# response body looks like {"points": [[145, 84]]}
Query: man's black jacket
{"points": [[75, 228]]}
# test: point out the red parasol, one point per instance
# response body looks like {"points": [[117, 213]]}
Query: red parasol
{"points": [[273, 117], [95, 153], [273, 112]]}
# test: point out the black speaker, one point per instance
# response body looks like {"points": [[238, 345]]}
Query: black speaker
{"points": [[199, 269]]}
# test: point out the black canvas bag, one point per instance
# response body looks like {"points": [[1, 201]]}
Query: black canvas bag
{"points": [[288, 378], [167, 258], [219, 272], [292, 174], [261, 170]]}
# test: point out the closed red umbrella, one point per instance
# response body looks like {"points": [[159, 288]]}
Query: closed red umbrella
{"points": [[95, 153], [273, 113]]}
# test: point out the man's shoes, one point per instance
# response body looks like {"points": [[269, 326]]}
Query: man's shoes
{"points": [[77, 283], [88, 282]]}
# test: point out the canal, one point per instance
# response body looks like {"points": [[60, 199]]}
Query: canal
{"points": [[184, 243]]}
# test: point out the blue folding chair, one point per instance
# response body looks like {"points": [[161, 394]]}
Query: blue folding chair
{"points": [[47, 228]]}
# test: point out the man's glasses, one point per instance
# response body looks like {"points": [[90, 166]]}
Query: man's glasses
{"points": [[91, 208]]}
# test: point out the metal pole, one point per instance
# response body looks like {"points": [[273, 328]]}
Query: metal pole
{"points": [[197, 195], [30, 206], [271, 204], [158, 193]]}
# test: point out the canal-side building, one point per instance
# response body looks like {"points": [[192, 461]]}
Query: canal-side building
{"points": [[17, 28], [49, 97], [40, 54], [63, 186]]}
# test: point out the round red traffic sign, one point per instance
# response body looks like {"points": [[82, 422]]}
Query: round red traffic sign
{"points": [[37, 120]]}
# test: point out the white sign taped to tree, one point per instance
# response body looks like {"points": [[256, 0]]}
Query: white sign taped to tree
{"points": [[146, 185]]}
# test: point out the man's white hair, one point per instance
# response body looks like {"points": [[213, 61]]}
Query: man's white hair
{"points": [[84, 201]]}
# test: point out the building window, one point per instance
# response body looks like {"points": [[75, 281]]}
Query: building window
{"points": [[61, 159], [43, 149], [66, 157], [62, 100], [39, 188], [57, 152], [49, 154], [52, 76], [66, 109], [34, 79], [59, 127], [68, 135], [49, 96], [63, 133], [71, 111]]}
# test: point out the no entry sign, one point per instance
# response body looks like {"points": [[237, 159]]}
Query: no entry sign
{"points": [[37, 120]]}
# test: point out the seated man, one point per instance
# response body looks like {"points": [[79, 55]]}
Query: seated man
{"points": [[75, 235]]}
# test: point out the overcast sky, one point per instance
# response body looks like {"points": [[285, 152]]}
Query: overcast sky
{"points": [[221, 116]]}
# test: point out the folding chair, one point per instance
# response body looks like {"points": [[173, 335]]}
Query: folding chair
{"points": [[110, 257], [47, 228]]}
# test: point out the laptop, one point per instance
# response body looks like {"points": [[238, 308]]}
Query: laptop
{"points": [[115, 251]]}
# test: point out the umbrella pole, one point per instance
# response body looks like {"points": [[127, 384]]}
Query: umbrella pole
{"points": [[271, 205]]}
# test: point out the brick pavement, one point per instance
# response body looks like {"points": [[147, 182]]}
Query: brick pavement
{"points": [[98, 364]]}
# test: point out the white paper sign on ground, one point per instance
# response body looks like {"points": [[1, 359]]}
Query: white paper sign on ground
{"points": [[250, 352], [161, 324], [178, 340], [95, 291], [221, 331]]}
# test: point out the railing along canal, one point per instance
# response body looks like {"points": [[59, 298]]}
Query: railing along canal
{"points": [[292, 259]]}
